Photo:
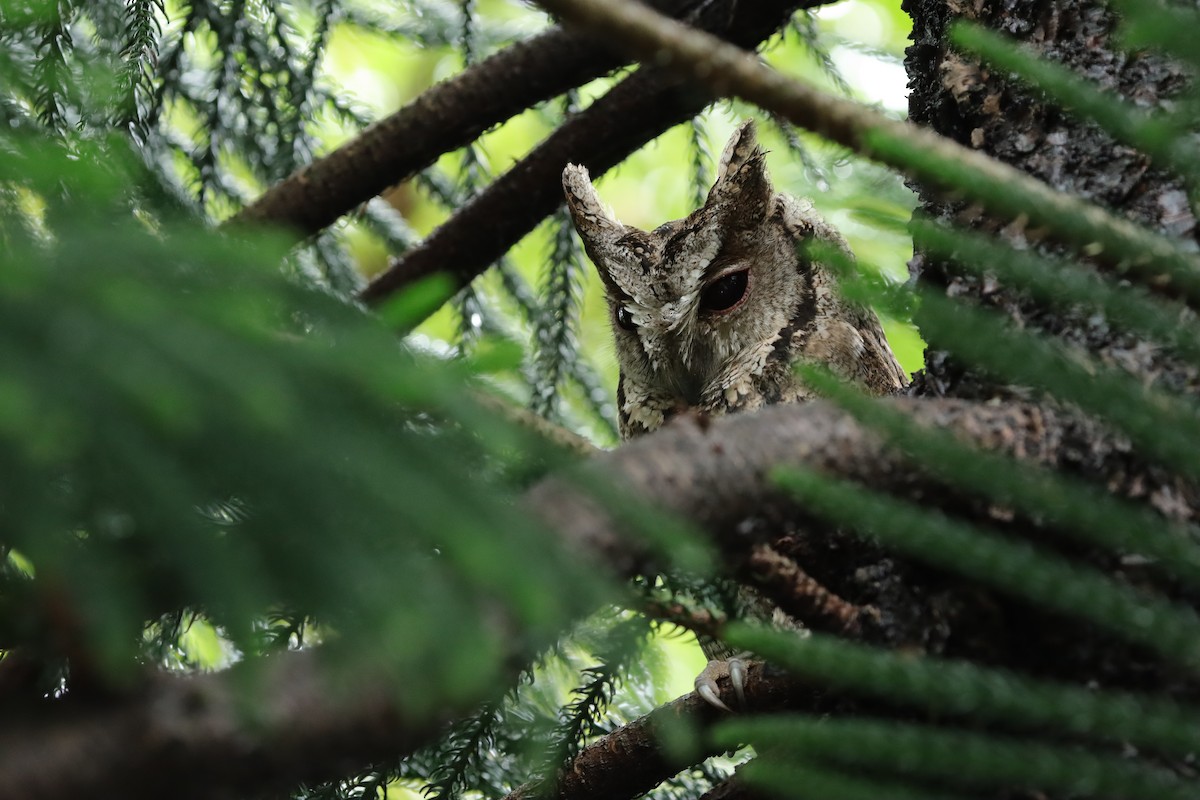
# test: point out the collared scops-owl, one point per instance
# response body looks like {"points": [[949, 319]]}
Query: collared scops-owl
{"points": [[710, 312]]}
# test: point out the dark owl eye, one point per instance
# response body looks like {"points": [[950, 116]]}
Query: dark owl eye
{"points": [[624, 319], [725, 292]]}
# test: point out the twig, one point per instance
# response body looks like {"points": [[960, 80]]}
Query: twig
{"points": [[802, 596], [632, 759], [567, 439]]}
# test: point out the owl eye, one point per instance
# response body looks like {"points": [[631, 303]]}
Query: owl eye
{"points": [[725, 292], [625, 319]]}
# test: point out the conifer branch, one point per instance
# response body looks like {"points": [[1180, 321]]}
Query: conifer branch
{"points": [[135, 744], [448, 116], [565, 438], [632, 760]]}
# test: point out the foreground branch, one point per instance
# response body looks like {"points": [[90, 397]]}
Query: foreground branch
{"points": [[298, 728]]}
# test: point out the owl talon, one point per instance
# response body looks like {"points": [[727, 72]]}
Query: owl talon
{"points": [[708, 693], [706, 682], [737, 677]]}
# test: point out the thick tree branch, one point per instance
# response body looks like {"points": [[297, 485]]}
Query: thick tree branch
{"points": [[299, 728], [636, 111], [716, 474]]}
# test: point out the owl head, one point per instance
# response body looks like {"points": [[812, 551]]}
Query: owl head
{"points": [[708, 312]]}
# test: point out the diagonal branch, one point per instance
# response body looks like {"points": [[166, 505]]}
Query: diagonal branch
{"points": [[446, 117], [802, 596], [633, 759], [636, 111], [299, 728], [716, 475]]}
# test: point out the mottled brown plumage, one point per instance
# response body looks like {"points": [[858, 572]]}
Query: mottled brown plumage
{"points": [[710, 313], [675, 349]]}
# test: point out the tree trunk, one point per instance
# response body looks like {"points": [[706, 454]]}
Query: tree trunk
{"points": [[960, 98]]}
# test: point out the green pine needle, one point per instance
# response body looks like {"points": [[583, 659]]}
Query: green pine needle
{"points": [[1078, 509], [969, 691], [946, 756]]}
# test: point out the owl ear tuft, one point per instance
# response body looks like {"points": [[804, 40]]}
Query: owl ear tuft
{"points": [[743, 189], [597, 225]]}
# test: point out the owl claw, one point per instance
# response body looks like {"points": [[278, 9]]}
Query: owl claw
{"points": [[706, 682], [707, 689], [737, 677]]}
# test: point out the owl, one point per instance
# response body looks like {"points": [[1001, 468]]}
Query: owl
{"points": [[710, 312]]}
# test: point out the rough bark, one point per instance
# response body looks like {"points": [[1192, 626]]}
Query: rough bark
{"points": [[714, 475], [956, 96], [961, 99]]}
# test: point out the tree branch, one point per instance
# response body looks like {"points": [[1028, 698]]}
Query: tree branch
{"points": [[632, 760], [802, 596], [298, 728], [634, 112], [448, 116], [716, 474]]}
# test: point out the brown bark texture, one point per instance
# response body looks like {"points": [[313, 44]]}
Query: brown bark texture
{"points": [[135, 744], [960, 98]]}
